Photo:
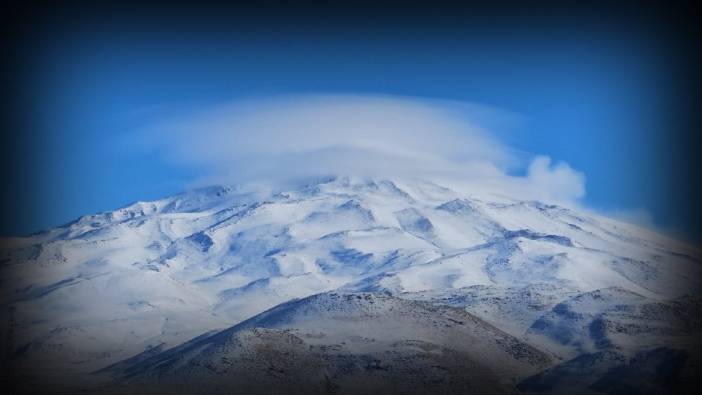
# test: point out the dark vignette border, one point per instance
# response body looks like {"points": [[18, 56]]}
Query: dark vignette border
{"points": [[27, 24]]}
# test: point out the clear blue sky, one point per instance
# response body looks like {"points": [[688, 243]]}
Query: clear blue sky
{"points": [[594, 96]]}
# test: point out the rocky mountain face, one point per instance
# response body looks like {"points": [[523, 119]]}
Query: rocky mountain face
{"points": [[347, 343], [345, 285]]}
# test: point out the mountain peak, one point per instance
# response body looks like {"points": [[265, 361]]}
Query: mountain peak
{"points": [[166, 271]]}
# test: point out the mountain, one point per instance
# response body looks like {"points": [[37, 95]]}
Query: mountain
{"points": [[347, 343], [162, 290]]}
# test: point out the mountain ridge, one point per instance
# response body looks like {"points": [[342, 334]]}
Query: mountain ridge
{"points": [[112, 285]]}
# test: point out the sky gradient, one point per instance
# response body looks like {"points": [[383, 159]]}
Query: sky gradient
{"points": [[600, 92]]}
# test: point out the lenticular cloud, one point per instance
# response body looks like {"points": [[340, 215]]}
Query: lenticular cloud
{"points": [[292, 137]]}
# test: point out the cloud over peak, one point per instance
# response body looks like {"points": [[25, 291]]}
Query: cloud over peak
{"points": [[289, 137]]}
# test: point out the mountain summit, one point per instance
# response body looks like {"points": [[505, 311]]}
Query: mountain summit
{"points": [[367, 283]]}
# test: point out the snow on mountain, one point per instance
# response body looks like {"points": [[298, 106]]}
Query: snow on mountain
{"points": [[340, 342], [154, 275]]}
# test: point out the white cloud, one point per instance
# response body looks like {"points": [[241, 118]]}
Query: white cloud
{"points": [[560, 180], [365, 135], [637, 216]]}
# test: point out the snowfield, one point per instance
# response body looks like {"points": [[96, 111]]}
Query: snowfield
{"points": [[344, 285]]}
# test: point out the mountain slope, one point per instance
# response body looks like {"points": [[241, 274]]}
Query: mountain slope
{"points": [[346, 343], [110, 286]]}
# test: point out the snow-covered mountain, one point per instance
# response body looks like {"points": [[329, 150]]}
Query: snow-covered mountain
{"points": [[408, 274], [348, 343]]}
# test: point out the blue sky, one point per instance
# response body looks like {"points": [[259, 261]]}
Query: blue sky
{"points": [[597, 99]]}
